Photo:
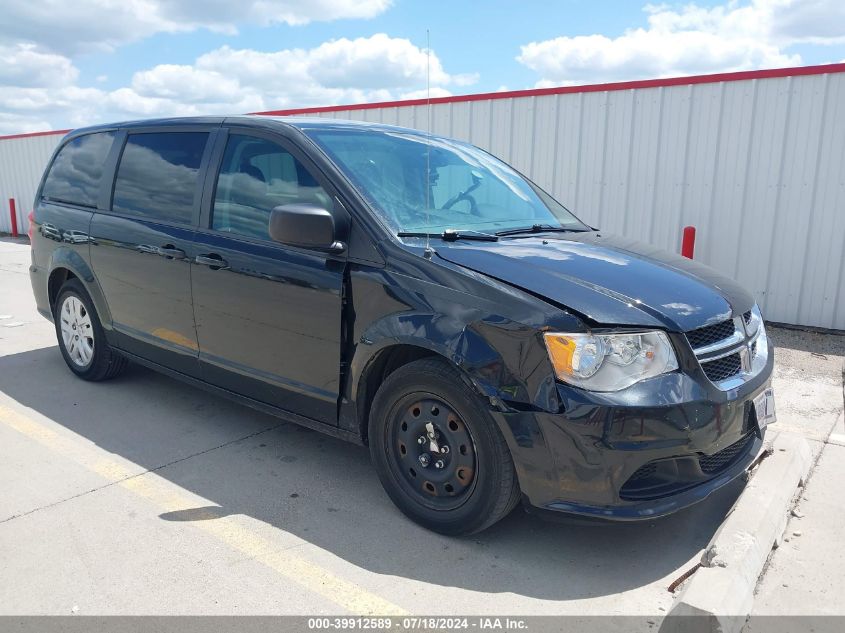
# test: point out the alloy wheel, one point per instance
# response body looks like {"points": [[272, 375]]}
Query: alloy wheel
{"points": [[77, 332]]}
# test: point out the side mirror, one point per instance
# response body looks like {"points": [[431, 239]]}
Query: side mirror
{"points": [[306, 226]]}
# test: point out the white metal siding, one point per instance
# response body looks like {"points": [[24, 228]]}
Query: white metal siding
{"points": [[757, 166], [22, 161]]}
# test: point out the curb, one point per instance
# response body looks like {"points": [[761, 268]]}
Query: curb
{"points": [[721, 593]]}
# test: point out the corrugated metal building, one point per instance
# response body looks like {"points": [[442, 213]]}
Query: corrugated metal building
{"points": [[755, 160], [22, 161]]}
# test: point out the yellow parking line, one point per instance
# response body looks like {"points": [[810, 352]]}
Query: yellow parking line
{"points": [[167, 497]]}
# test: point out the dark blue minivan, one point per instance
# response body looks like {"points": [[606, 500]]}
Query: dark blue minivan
{"points": [[408, 292]]}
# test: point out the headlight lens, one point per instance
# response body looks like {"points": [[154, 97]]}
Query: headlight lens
{"points": [[610, 362]]}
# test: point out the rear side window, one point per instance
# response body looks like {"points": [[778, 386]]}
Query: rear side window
{"points": [[157, 176], [75, 174]]}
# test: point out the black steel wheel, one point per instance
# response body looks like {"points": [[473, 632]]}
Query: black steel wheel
{"points": [[438, 453], [431, 451]]}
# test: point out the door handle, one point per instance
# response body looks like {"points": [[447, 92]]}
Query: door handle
{"points": [[212, 260], [171, 252]]}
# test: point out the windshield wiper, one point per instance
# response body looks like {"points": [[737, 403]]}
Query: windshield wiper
{"points": [[451, 235], [540, 228]]}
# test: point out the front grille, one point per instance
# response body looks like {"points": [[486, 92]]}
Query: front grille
{"points": [[711, 334], [729, 349], [721, 368], [717, 462]]}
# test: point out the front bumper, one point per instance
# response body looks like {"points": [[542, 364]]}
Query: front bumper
{"points": [[644, 452]]}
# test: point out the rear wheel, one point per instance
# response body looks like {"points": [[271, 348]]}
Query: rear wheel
{"points": [[81, 337], [438, 454]]}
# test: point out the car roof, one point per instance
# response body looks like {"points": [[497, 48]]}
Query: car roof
{"points": [[312, 123], [251, 120]]}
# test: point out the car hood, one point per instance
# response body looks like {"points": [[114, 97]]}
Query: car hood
{"points": [[610, 280]]}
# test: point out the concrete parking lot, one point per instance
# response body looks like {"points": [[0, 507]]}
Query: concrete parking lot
{"points": [[145, 496]]}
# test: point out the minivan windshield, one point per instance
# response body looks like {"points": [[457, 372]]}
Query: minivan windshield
{"points": [[466, 189]]}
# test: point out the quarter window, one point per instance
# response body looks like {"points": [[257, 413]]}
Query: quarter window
{"points": [[75, 174], [158, 175], [257, 175]]}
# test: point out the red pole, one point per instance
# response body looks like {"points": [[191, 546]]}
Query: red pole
{"points": [[688, 243], [13, 213]]}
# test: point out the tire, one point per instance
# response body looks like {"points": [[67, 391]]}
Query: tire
{"points": [[461, 489], [82, 340]]}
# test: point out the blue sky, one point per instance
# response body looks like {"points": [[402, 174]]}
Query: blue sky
{"points": [[98, 60], [467, 36]]}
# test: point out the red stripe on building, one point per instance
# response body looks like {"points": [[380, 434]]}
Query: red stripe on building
{"points": [[743, 75], [29, 134], [562, 90]]}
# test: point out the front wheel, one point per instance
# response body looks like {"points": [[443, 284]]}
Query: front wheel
{"points": [[438, 453], [81, 337]]}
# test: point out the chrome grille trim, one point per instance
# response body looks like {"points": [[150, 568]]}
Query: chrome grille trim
{"points": [[748, 340], [734, 339], [710, 334]]}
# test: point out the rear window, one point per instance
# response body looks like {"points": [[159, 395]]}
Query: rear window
{"points": [[75, 174], [158, 174]]}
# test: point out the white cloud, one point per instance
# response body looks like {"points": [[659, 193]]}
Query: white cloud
{"points": [[800, 21], [185, 83], [23, 65], [691, 40], [49, 108], [103, 24], [435, 93], [335, 67], [11, 123], [340, 71], [371, 62], [228, 80]]}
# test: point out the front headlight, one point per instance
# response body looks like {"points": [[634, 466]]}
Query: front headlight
{"points": [[609, 362]]}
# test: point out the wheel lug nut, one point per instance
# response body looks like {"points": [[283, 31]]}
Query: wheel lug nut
{"points": [[425, 460], [421, 439], [444, 449], [439, 464]]}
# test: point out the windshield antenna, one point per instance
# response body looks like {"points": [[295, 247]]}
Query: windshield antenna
{"points": [[428, 250]]}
